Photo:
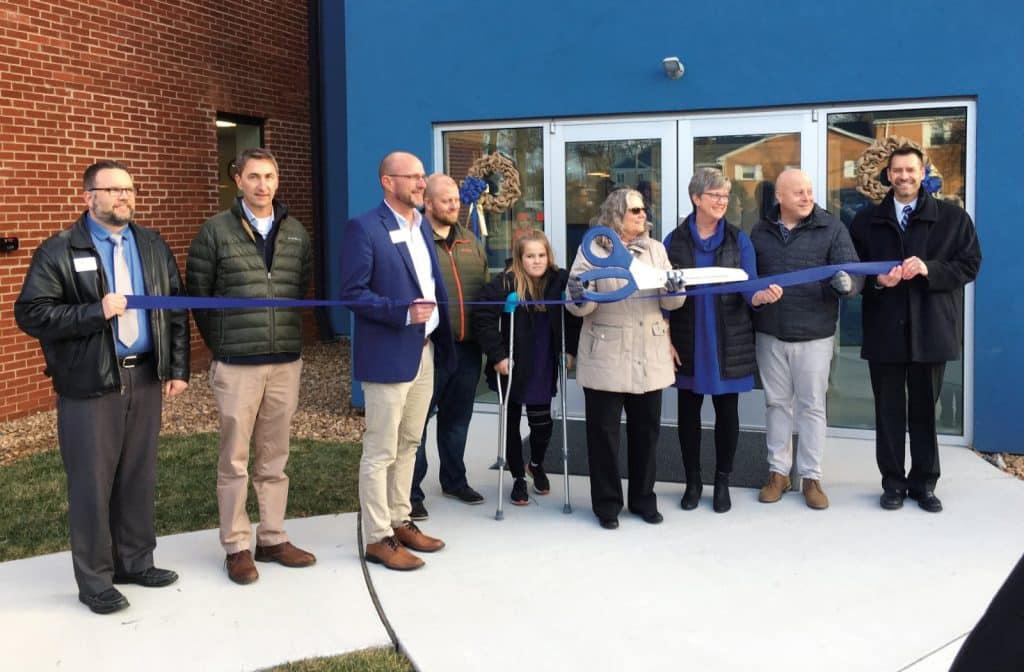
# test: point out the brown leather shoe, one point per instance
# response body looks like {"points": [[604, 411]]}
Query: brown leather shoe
{"points": [[410, 536], [814, 495], [773, 489], [393, 555], [241, 568], [285, 554]]}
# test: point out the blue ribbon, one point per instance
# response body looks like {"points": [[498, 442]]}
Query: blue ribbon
{"points": [[800, 277]]}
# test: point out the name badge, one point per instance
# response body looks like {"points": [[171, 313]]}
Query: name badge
{"points": [[83, 264], [400, 236]]}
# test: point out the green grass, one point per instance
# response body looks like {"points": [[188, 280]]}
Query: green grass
{"points": [[323, 479], [369, 660], [33, 491]]}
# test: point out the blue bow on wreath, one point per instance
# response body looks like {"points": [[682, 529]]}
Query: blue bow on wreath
{"points": [[931, 183], [470, 192]]}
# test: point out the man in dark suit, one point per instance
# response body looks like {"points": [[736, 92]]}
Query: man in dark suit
{"points": [[912, 320], [390, 271], [109, 366]]}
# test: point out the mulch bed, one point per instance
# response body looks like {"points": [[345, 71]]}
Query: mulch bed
{"points": [[324, 408], [324, 413]]}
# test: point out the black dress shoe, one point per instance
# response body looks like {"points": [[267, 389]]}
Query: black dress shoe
{"points": [[105, 602], [652, 518], [891, 500], [154, 577], [926, 500], [609, 523]]}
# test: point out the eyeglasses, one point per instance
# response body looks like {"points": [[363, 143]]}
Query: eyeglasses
{"points": [[636, 211], [116, 192], [414, 178], [720, 198]]}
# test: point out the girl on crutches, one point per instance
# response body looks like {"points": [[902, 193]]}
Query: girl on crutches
{"points": [[535, 346]]}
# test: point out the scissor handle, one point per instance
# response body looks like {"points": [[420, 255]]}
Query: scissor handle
{"points": [[619, 256], [615, 273]]}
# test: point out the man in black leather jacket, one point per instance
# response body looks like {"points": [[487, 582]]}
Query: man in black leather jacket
{"points": [[109, 366]]}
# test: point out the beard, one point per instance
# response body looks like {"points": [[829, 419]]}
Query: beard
{"points": [[443, 218], [111, 217], [411, 199]]}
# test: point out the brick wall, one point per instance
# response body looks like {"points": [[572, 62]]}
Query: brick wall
{"points": [[139, 81]]}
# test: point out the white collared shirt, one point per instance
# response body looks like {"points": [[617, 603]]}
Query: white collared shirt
{"points": [[420, 261], [261, 224], [899, 208]]}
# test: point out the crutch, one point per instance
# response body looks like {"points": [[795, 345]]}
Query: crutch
{"points": [[562, 384], [510, 307]]}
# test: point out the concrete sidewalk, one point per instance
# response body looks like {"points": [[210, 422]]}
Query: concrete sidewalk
{"points": [[765, 587]]}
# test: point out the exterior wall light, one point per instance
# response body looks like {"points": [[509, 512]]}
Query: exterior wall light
{"points": [[673, 67]]}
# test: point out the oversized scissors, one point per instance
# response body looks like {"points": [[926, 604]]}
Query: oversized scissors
{"points": [[620, 264]]}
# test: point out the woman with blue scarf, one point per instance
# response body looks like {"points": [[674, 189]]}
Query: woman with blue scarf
{"points": [[712, 336]]}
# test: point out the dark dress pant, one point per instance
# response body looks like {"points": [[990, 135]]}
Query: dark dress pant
{"points": [[108, 445], [905, 397], [643, 423]]}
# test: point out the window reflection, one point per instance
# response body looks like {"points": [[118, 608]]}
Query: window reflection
{"points": [[942, 133], [595, 169], [525, 148], [752, 163]]}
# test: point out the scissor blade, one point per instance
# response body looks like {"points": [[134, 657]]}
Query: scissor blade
{"points": [[712, 274]]}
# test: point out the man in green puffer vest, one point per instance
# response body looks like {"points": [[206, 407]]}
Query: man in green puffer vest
{"points": [[254, 250]]}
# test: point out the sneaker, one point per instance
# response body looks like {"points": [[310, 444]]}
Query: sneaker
{"points": [[814, 495], [541, 484], [773, 489], [418, 512], [520, 496], [466, 495]]}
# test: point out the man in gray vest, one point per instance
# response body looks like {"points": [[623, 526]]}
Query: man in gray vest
{"points": [[795, 335], [255, 250], [109, 366]]}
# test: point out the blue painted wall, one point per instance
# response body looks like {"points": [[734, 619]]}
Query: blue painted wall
{"points": [[405, 65]]}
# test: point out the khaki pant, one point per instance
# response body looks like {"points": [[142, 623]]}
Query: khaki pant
{"points": [[395, 415], [255, 402]]}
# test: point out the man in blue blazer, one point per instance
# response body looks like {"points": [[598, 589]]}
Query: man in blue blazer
{"points": [[390, 271]]}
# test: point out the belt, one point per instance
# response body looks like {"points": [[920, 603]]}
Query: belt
{"points": [[131, 361]]}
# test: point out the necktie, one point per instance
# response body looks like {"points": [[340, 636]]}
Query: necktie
{"points": [[127, 324], [906, 217]]}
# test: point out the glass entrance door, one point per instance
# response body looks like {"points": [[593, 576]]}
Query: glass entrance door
{"points": [[589, 161], [658, 158], [751, 151]]}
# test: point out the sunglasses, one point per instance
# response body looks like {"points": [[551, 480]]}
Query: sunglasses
{"points": [[636, 211]]}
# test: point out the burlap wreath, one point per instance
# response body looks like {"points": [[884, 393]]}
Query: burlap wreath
{"points": [[510, 190], [874, 161]]}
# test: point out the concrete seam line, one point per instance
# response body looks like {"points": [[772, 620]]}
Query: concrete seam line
{"points": [[369, 585], [933, 652]]}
